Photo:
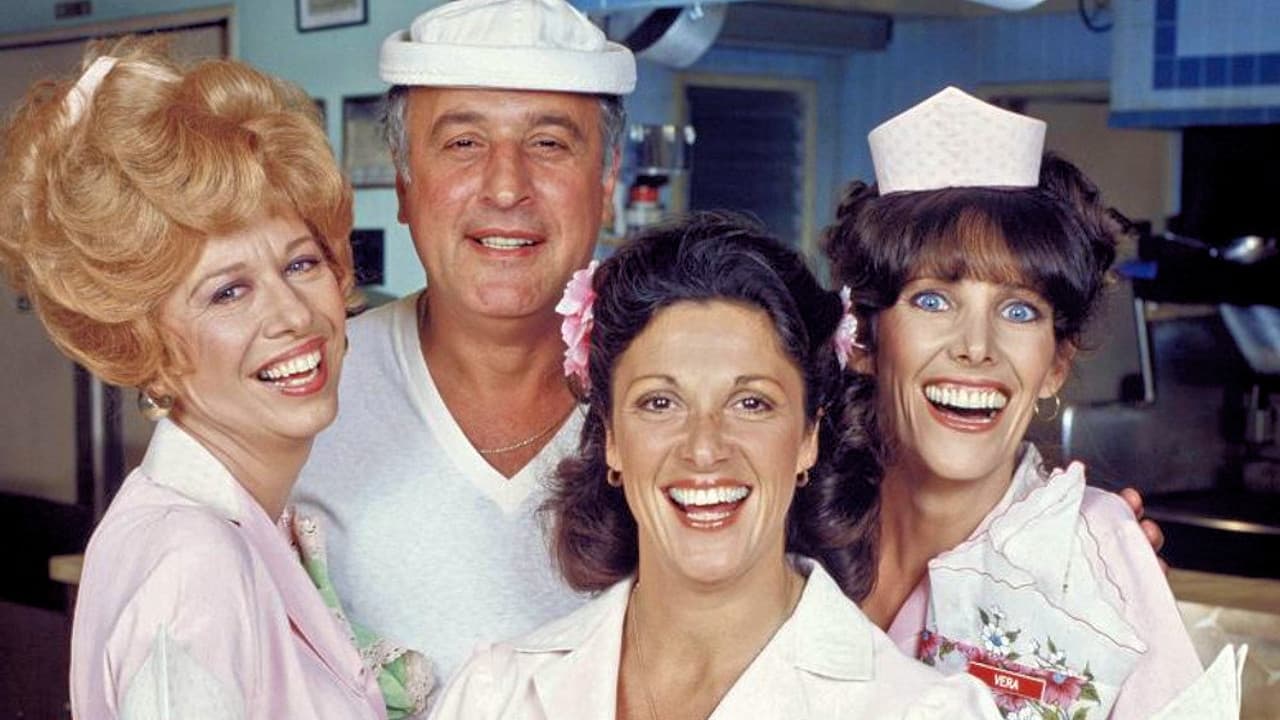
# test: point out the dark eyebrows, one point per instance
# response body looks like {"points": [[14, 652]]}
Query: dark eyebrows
{"points": [[561, 121], [665, 379], [748, 379], [533, 120], [739, 381], [455, 117]]}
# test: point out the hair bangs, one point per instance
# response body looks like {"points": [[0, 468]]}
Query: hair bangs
{"points": [[990, 235]]}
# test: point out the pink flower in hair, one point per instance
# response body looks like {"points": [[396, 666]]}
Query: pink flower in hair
{"points": [[846, 337], [575, 330]]}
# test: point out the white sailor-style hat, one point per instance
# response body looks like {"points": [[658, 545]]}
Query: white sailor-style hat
{"points": [[956, 140], [508, 44]]}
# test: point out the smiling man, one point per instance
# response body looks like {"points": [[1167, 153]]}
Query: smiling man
{"points": [[503, 120]]}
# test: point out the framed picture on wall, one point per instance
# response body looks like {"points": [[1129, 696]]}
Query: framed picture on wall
{"points": [[365, 156], [325, 14]]}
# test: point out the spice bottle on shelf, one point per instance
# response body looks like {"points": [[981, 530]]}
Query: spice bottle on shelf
{"points": [[643, 208]]}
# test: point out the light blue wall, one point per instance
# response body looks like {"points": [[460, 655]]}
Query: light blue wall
{"points": [[927, 55], [20, 16], [328, 64], [332, 64], [855, 91]]}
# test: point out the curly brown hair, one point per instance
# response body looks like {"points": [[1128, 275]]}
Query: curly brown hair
{"points": [[1058, 238], [720, 256]]}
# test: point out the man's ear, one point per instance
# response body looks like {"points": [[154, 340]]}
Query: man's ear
{"points": [[610, 184], [402, 201]]}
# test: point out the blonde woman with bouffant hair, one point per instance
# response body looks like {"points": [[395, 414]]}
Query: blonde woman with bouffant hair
{"points": [[106, 211], [184, 229]]}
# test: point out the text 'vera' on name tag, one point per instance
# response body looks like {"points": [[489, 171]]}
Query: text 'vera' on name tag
{"points": [[1008, 682]]}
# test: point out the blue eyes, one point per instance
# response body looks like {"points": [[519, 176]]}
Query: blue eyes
{"points": [[1019, 312], [1015, 311], [226, 294], [235, 290], [930, 301], [301, 265]]}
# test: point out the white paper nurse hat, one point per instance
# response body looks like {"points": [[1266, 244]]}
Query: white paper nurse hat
{"points": [[510, 45], [956, 140]]}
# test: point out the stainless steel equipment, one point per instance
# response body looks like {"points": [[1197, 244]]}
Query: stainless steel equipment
{"points": [[660, 150]]}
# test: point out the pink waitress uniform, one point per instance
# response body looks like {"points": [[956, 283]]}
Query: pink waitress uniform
{"points": [[193, 605], [1056, 599]]}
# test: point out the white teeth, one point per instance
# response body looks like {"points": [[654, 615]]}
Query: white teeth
{"points": [[966, 398], [702, 497], [504, 243], [709, 517], [292, 366]]}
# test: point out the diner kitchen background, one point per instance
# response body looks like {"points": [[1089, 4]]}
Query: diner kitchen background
{"points": [[1173, 106]]}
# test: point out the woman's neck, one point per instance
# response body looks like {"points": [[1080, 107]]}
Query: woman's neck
{"points": [[706, 616], [685, 646], [922, 516], [266, 468]]}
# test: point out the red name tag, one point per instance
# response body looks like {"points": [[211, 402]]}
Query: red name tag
{"points": [[1008, 682]]}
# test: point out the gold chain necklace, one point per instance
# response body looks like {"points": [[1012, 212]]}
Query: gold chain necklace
{"points": [[529, 440], [421, 313], [635, 640]]}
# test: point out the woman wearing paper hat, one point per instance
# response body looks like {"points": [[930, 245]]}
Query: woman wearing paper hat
{"points": [[707, 468], [975, 262], [183, 230]]}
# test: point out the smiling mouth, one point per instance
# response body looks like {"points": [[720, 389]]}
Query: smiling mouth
{"points": [[966, 404], [296, 372], [498, 242], [708, 507]]}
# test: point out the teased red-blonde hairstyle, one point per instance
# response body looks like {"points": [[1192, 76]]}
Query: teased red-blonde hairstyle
{"points": [[102, 216]]}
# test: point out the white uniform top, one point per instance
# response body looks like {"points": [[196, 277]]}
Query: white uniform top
{"points": [[826, 661], [429, 546]]}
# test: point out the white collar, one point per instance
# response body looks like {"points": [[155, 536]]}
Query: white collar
{"points": [[826, 635], [179, 462]]}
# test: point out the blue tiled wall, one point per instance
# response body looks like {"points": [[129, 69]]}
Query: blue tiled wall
{"points": [[1196, 62]]}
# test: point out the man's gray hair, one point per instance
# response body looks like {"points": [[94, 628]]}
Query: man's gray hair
{"points": [[613, 120]]}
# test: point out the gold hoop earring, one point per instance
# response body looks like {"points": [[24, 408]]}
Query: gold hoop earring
{"points": [[154, 408], [1057, 407], [803, 478], [613, 477]]}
